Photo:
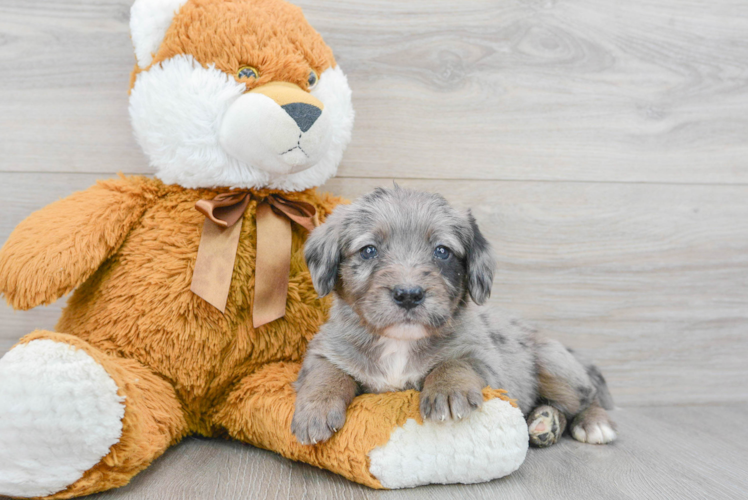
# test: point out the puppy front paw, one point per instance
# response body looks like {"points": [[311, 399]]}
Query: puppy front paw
{"points": [[445, 402], [315, 421]]}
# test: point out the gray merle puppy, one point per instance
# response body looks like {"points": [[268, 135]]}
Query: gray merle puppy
{"points": [[404, 266]]}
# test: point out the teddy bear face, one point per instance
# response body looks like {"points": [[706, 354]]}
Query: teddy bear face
{"points": [[236, 93]]}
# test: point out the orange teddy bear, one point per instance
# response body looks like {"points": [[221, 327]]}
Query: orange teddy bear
{"points": [[176, 325]]}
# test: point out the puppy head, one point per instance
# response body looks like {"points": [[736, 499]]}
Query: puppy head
{"points": [[403, 260]]}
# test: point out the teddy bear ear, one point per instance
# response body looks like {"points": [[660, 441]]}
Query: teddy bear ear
{"points": [[149, 21]]}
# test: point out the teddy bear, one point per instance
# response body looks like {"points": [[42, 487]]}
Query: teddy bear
{"points": [[191, 303]]}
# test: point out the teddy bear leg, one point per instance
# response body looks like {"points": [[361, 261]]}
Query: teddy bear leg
{"points": [[384, 443], [75, 421]]}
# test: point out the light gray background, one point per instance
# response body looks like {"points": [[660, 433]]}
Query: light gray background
{"points": [[603, 146]]}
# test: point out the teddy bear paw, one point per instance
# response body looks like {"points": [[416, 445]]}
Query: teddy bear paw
{"points": [[59, 415]]}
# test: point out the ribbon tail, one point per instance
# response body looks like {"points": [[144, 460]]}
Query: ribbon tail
{"points": [[211, 279], [303, 213], [273, 264]]}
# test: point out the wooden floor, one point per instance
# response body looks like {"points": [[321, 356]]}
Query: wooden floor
{"points": [[676, 452], [602, 145]]}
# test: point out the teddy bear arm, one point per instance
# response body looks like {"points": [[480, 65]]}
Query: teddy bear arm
{"points": [[58, 247]]}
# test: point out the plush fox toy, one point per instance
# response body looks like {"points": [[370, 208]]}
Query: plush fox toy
{"points": [[242, 111]]}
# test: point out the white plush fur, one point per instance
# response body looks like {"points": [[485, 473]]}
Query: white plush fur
{"points": [[149, 21], [177, 109], [257, 131], [490, 443], [59, 415]]}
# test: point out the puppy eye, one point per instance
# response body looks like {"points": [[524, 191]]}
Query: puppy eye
{"points": [[442, 252], [248, 72], [313, 79], [368, 252]]}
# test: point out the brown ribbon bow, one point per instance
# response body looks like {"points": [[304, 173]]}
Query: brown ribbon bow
{"points": [[219, 242]]}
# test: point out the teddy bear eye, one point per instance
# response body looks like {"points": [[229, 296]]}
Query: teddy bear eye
{"points": [[248, 72], [313, 79]]}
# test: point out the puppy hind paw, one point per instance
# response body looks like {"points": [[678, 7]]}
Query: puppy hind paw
{"points": [[546, 425], [594, 426], [595, 433]]}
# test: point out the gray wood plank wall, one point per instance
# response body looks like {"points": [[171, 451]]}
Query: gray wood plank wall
{"points": [[602, 145]]}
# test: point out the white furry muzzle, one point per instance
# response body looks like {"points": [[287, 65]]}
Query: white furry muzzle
{"points": [[278, 139], [200, 128]]}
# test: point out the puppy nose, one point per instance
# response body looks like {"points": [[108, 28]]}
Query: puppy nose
{"points": [[303, 114], [407, 298]]}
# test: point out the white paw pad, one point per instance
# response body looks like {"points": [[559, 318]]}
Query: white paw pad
{"points": [[59, 415], [595, 433], [489, 443]]}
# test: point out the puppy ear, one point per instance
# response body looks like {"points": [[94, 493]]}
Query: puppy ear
{"points": [[322, 253], [480, 264]]}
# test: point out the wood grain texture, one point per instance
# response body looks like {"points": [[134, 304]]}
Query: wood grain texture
{"points": [[65, 70], [663, 453], [650, 281], [595, 90], [601, 145]]}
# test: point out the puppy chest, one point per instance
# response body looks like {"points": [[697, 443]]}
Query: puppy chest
{"points": [[393, 367]]}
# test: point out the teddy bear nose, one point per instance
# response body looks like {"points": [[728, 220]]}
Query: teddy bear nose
{"points": [[303, 114]]}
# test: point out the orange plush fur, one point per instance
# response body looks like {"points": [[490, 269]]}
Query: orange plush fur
{"points": [[129, 246], [183, 366]]}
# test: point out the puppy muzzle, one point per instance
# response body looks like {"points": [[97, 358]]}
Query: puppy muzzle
{"points": [[278, 128]]}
